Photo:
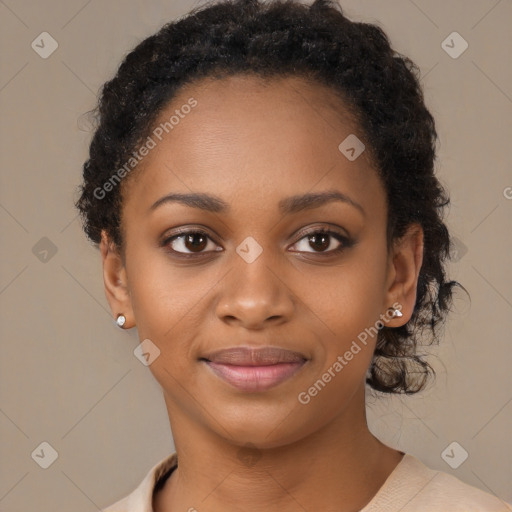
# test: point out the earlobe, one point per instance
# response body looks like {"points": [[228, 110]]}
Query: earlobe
{"points": [[115, 281], [405, 267]]}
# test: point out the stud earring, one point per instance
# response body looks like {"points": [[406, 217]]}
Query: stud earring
{"points": [[120, 320], [397, 313]]}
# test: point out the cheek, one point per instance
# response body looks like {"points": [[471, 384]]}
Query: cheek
{"points": [[346, 319], [348, 300], [161, 295], [169, 308]]}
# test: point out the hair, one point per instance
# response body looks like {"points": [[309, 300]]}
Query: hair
{"points": [[285, 38]]}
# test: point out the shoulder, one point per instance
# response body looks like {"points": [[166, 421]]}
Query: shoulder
{"points": [[140, 499], [445, 489], [414, 487]]}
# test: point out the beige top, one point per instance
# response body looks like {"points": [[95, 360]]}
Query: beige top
{"points": [[411, 487]]}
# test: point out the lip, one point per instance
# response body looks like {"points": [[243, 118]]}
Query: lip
{"points": [[254, 356], [254, 369]]}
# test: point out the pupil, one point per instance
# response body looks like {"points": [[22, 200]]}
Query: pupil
{"points": [[195, 245], [324, 238]]}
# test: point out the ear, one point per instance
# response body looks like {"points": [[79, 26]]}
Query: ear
{"points": [[115, 280], [404, 266]]}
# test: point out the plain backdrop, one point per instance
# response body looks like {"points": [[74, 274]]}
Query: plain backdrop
{"points": [[69, 377]]}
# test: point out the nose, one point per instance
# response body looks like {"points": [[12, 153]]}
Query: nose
{"points": [[255, 294]]}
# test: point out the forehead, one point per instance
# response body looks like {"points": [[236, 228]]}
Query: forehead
{"points": [[255, 140]]}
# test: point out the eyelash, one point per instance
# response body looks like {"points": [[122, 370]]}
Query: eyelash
{"points": [[345, 242]]}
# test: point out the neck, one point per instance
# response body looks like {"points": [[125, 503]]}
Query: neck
{"points": [[340, 467]]}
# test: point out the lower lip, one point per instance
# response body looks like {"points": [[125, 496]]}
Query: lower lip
{"points": [[255, 378]]}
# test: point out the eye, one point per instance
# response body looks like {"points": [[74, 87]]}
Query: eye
{"points": [[189, 242], [323, 241], [192, 242]]}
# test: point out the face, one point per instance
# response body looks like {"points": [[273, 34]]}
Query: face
{"points": [[265, 261]]}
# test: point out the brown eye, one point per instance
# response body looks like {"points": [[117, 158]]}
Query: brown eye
{"points": [[319, 241], [189, 242], [195, 242], [323, 242]]}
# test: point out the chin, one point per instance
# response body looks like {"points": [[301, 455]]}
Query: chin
{"points": [[272, 428]]}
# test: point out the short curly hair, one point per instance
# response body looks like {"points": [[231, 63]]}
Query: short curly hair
{"points": [[280, 38]]}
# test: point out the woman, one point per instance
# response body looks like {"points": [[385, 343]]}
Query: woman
{"points": [[261, 188]]}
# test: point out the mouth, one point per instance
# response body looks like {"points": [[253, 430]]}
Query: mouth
{"points": [[254, 369]]}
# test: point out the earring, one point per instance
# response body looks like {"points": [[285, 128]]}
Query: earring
{"points": [[397, 313], [120, 320]]}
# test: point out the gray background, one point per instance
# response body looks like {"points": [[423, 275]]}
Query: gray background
{"points": [[68, 374]]}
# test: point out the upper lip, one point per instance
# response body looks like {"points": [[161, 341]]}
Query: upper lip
{"points": [[260, 356]]}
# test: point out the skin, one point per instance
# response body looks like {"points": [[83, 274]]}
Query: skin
{"points": [[254, 144]]}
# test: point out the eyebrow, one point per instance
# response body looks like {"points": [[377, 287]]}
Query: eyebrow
{"points": [[289, 205]]}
